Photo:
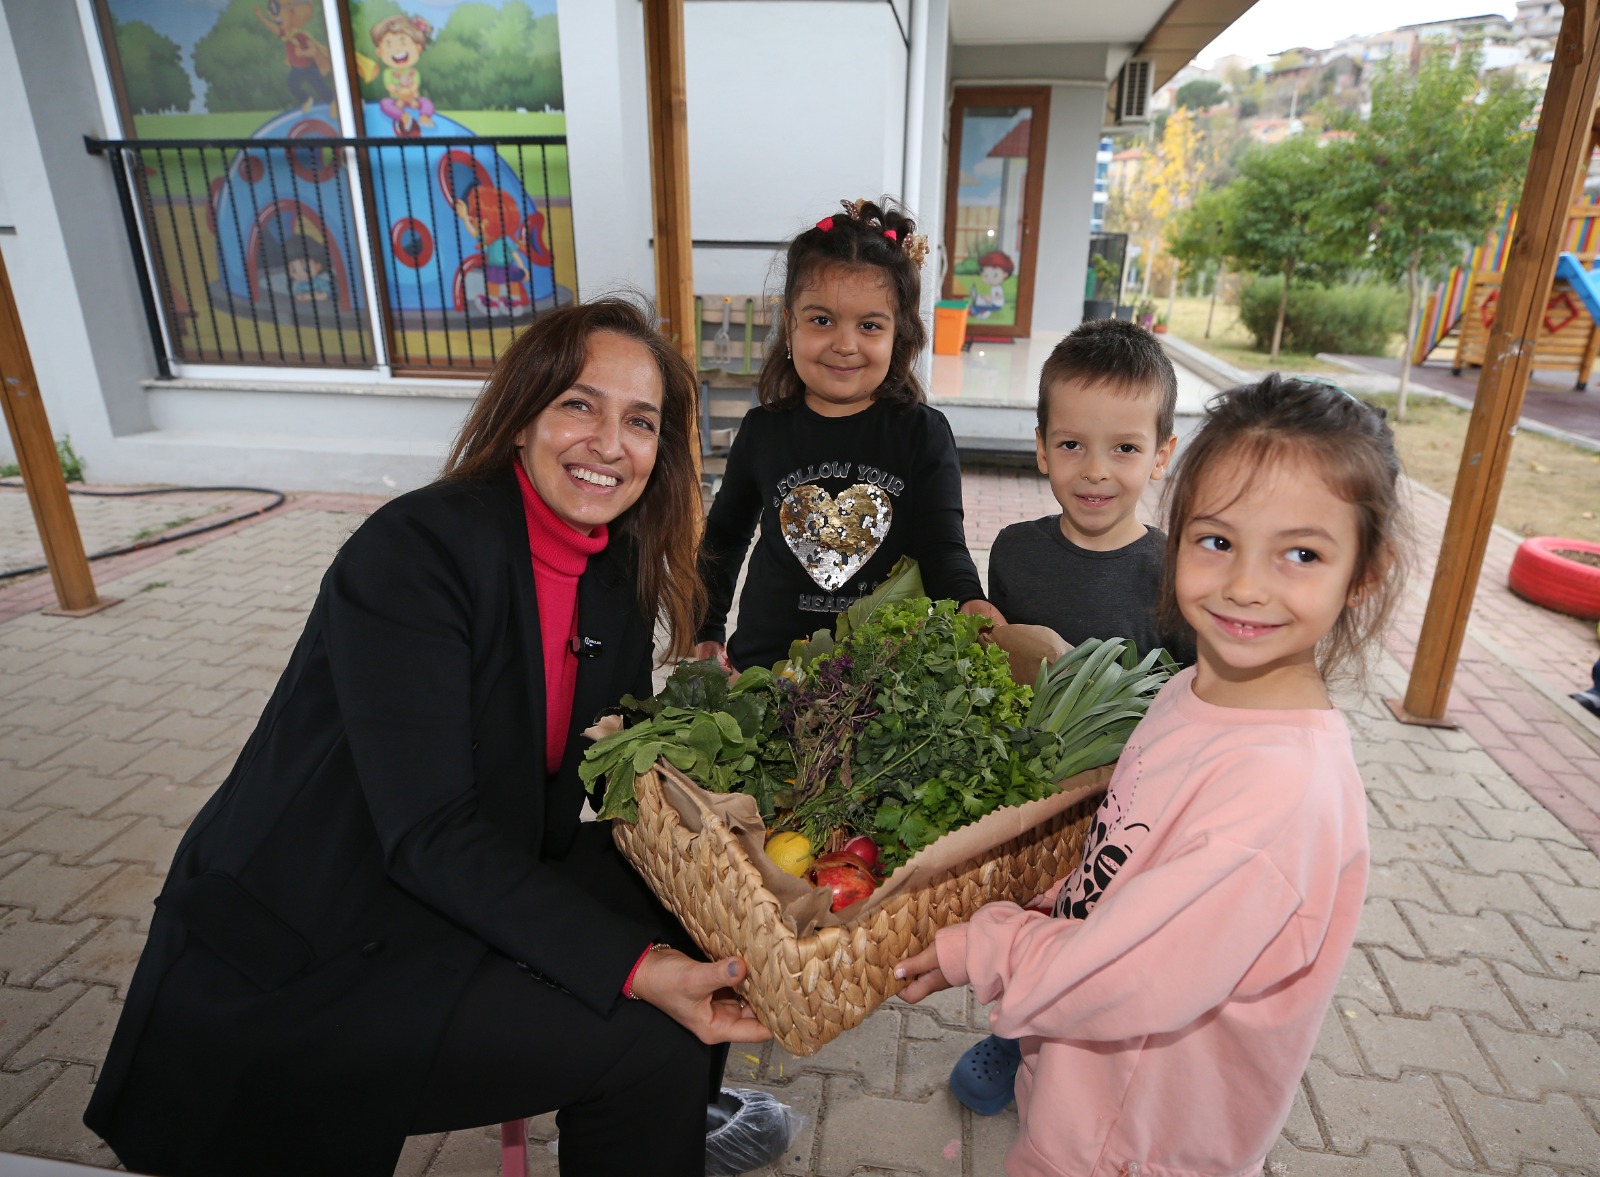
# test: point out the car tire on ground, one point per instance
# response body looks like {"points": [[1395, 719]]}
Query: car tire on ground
{"points": [[1541, 575]]}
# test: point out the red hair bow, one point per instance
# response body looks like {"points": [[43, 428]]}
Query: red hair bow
{"points": [[892, 236], [825, 224]]}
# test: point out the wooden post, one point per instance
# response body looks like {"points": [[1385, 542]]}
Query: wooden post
{"points": [[669, 171], [41, 467], [1560, 147]]}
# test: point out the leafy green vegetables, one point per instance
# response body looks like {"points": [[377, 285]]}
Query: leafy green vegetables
{"points": [[903, 723], [1092, 698], [935, 750], [719, 734]]}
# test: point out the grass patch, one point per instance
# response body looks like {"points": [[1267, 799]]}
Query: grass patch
{"points": [[71, 463], [155, 584], [1551, 488], [145, 533], [1231, 340]]}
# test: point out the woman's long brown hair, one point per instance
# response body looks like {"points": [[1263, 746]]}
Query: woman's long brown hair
{"points": [[545, 361]]}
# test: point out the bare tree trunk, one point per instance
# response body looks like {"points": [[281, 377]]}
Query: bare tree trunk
{"points": [[1172, 294], [1283, 311], [1414, 298], [1216, 285], [1149, 267]]}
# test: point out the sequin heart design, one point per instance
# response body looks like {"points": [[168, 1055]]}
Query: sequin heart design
{"points": [[833, 537]]}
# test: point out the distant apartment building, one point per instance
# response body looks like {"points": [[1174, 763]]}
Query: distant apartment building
{"points": [[1487, 27], [1537, 18], [1102, 185], [1122, 168], [1375, 48], [1536, 26], [1269, 131]]}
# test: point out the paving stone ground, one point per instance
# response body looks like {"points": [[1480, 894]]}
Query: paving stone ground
{"points": [[1465, 1037]]}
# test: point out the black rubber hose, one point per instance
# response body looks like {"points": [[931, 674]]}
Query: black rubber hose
{"points": [[278, 499]]}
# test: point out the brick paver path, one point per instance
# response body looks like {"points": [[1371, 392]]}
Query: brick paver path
{"points": [[1465, 1037]]}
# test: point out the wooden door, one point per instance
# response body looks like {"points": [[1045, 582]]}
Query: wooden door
{"points": [[992, 203]]}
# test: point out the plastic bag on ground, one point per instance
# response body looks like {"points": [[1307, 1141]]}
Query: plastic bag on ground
{"points": [[747, 1129]]}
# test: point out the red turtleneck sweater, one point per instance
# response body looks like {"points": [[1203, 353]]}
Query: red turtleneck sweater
{"points": [[560, 555]]}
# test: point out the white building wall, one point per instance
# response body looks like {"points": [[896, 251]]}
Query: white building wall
{"points": [[1068, 200], [62, 235], [793, 106], [608, 152], [928, 146]]}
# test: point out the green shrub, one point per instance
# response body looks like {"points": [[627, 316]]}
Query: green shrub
{"points": [[1356, 319], [71, 463]]}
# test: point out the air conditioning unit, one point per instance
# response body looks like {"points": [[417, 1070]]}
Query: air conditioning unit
{"points": [[1133, 91]]}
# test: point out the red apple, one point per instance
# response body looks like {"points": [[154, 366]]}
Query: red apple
{"points": [[845, 875], [863, 848]]}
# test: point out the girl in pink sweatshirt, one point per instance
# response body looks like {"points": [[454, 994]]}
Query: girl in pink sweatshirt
{"points": [[1169, 991]]}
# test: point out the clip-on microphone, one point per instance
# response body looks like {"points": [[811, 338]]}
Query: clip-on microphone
{"points": [[586, 647]]}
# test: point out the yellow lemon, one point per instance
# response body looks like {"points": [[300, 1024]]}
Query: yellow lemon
{"points": [[790, 851]]}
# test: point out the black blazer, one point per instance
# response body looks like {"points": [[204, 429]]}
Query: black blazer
{"points": [[389, 822]]}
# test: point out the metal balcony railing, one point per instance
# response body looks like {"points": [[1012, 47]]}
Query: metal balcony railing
{"points": [[322, 251]]}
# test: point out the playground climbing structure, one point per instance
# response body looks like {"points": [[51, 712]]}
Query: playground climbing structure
{"points": [[1461, 310]]}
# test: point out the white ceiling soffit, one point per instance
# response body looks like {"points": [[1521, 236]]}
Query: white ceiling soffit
{"points": [[1170, 32], [980, 22]]}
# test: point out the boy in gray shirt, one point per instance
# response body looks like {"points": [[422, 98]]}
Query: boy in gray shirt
{"points": [[1107, 396]]}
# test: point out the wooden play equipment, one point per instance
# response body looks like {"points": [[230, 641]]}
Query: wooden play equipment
{"points": [[1562, 147], [1460, 312]]}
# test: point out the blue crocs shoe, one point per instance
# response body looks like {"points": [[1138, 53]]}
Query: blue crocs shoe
{"points": [[985, 1077]]}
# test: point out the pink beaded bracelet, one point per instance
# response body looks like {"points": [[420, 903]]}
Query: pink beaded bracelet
{"points": [[627, 986]]}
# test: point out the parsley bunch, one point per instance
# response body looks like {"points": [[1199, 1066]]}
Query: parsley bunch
{"points": [[932, 737]]}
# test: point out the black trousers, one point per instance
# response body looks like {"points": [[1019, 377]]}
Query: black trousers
{"points": [[629, 1088]]}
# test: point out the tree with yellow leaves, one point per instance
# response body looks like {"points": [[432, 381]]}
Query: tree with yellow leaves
{"points": [[1167, 180]]}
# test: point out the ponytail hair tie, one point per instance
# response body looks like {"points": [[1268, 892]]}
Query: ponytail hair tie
{"points": [[825, 224], [892, 236]]}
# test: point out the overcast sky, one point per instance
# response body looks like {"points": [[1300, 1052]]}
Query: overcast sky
{"points": [[1275, 25]]}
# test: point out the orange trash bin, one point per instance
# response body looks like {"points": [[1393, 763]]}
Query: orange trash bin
{"points": [[949, 326]]}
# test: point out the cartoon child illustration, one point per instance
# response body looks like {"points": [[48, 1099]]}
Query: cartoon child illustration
{"points": [[399, 42], [494, 218], [307, 266], [993, 269], [307, 58]]}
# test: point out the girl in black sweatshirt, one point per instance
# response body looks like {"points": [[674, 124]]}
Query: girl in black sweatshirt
{"points": [[844, 465]]}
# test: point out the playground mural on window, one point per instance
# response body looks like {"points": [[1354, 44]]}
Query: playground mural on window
{"points": [[989, 202], [475, 238], [255, 249]]}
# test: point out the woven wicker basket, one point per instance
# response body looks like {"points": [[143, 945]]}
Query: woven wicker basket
{"points": [[809, 989]]}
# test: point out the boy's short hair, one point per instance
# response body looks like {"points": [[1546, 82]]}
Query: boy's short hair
{"points": [[1118, 353]]}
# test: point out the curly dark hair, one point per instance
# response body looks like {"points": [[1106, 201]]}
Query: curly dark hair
{"points": [[857, 238]]}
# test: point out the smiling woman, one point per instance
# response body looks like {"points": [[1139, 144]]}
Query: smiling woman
{"points": [[351, 942], [591, 452], [609, 368]]}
